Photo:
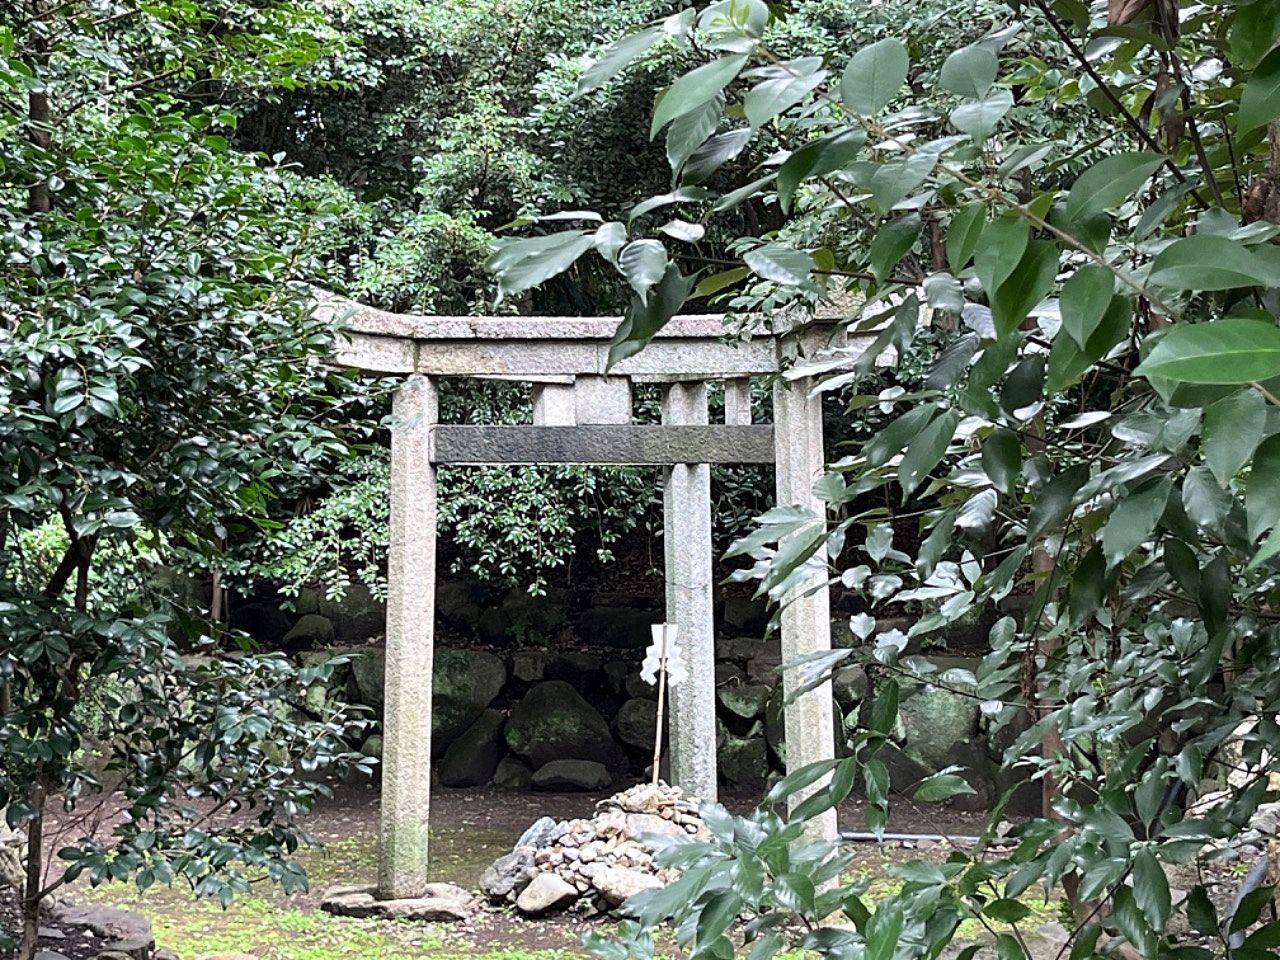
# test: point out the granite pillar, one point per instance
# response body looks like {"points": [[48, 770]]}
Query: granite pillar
{"points": [[411, 577], [806, 612], [690, 604]]}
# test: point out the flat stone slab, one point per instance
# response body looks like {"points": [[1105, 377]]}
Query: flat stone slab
{"points": [[110, 923], [441, 902]]}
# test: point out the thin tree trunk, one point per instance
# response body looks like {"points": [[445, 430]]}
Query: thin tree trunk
{"points": [[31, 893], [38, 124]]}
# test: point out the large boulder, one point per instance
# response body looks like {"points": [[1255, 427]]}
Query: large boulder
{"points": [[456, 606], [636, 723], [356, 617], [744, 761], [936, 723], [512, 775], [309, 633], [369, 667], [540, 615], [746, 614], [554, 722], [746, 701], [265, 622], [471, 760], [571, 775], [850, 686], [622, 627], [464, 683]]}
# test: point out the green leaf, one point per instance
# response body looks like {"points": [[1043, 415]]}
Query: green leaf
{"points": [[1085, 298], [1270, 547], [686, 194], [683, 230], [797, 780], [941, 786], [1233, 428], [1262, 495], [884, 711], [609, 239], [1052, 505], [714, 154], [1110, 182], [1151, 889], [1027, 286], [1201, 913], [874, 76], [718, 913], [1260, 102], [735, 197], [966, 228], [524, 263], [778, 94], [1002, 460], [1067, 362], [891, 243], [1089, 586], [1133, 520], [924, 452], [944, 292], [1206, 504], [1250, 908], [795, 892], [1210, 262], [690, 133], [979, 118], [642, 320], [883, 931], [892, 182], [1101, 875], [1234, 350], [694, 89], [643, 262], [617, 58], [780, 263], [1000, 250], [1006, 910], [1255, 28], [713, 284], [1008, 948], [891, 439], [817, 159], [970, 72]]}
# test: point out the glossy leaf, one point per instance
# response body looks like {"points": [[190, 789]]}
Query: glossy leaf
{"points": [[1233, 428], [1110, 182], [1234, 350], [970, 72], [1260, 102], [874, 76], [693, 89]]}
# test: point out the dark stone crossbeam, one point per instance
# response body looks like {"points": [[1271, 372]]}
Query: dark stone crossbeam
{"points": [[602, 445]]}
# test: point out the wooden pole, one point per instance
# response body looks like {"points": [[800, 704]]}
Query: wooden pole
{"points": [[662, 689]]}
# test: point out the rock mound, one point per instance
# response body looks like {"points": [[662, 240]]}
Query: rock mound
{"points": [[603, 860]]}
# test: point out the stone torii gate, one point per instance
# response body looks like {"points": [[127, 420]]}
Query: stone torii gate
{"points": [[582, 415]]}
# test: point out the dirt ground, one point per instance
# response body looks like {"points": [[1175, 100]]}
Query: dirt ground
{"points": [[469, 829]]}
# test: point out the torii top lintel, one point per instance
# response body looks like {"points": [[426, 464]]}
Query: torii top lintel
{"points": [[691, 347]]}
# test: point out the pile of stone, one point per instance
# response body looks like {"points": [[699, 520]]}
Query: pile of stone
{"points": [[594, 864]]}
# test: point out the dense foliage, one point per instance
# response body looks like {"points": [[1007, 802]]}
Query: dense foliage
{"points": [[1075, 213], [155, 377]]}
